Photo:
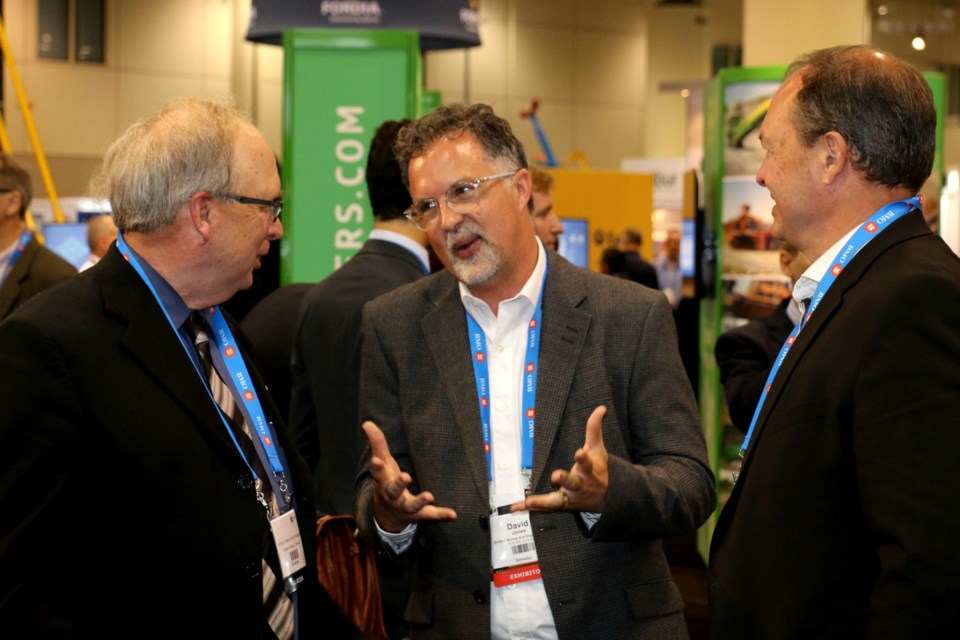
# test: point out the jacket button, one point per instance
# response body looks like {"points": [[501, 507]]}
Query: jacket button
{"points": [[479, 597], [484, 522], [253, 569], [245, 481]]}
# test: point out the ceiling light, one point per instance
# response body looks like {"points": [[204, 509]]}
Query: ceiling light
{"points": [[918, 42]]}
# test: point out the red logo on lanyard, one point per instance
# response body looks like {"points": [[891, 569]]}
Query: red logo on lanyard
{"points": [[267, 441], [248, 395], [529, 367], [767, 390], [836, 269], [533, 323], [871, 227], [480, 356], [484, 402], [790, 340], [530, 412], [229, 352]]}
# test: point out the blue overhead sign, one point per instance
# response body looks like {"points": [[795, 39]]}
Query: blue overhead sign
{"points": [[442, 24]]}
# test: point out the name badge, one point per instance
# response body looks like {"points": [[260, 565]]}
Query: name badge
{"points": [[286, 537], [513, 552]]}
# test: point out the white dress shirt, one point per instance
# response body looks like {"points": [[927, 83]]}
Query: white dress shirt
{"points": [[519, 610], [807, 284]]}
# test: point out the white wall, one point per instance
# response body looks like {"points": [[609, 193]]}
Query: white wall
{"points": [[595, 65]]}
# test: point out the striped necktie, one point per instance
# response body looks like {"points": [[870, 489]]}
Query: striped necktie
{"points": [[277, 605]]}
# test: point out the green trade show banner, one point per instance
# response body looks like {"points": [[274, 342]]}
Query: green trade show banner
{"points": [[339, 86]]}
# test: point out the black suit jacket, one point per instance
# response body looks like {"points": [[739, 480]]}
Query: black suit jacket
{"points": [[326, 366], [639, 270], [845, 519], [128, 511], [37, 269], [604, 341], [744, 355], [270, 326]]}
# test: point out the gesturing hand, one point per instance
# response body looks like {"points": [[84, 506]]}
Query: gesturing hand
{"points": [[394, 506], [584, 487]]}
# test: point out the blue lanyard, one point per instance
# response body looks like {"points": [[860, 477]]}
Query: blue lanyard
{"points": [[22, 243], [864, 234], [239, 380], [481, 373]]}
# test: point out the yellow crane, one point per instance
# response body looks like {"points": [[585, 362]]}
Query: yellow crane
{"points": [[31, 131]]}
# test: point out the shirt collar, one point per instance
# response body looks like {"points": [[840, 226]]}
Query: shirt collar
{"points": [[530, 290], [410, 245], [807, 284], [169, 299]]}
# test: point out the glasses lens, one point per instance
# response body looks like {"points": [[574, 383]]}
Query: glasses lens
{"points": [[463, 196], [421, 212]]}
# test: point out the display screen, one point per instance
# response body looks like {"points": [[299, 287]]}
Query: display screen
{"points": [[688, 247], [573, 241], [69, 241]]}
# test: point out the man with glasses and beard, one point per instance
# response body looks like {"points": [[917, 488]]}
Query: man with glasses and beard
{"points": [[532, 432]]}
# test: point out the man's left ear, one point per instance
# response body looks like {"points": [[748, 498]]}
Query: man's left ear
{"points": [[835, 152]]}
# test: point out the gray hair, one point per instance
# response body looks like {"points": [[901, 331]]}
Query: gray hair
{"points": [[453, 120], [162, 160]]}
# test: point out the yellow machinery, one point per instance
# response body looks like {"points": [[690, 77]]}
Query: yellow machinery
{"points": [[31, 131]]}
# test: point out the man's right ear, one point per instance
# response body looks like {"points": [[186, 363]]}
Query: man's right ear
{"points": [[200, 209]]}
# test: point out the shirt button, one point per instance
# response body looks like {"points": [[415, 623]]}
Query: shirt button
{"points": [[500, 348], [245, 481]]}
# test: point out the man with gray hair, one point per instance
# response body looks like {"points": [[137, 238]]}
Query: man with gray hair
{"points": [[532, 432], [137, 442]]}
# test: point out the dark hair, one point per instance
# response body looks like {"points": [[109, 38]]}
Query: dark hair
{"points": [[612, 261], [15, 178], [881, 106], [632, 236], [388, 195], [453, 120]]}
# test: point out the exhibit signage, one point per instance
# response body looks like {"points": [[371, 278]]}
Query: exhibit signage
{"points": [[442, 24]]}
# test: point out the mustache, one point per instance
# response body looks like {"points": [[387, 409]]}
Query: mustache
{"points": [[466, 229]]}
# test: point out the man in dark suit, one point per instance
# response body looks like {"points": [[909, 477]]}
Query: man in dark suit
{"points": [[568, 510], [134, 506], [326, 353], [634, 266], [26, 266], [325, 372], [746, 353], [271, 325], [844, 520]]}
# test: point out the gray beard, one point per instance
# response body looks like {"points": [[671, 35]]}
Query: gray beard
{"points": [[480, 267]]}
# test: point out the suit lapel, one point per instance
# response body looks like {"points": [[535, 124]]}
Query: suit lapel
{"points": [[563, 334], [561, 341], [445, 328], [910, 226], [152, 343], [12, 285]]}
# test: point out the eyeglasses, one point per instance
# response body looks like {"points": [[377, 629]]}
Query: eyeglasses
{"points": [[462, 197], [273, 207]]}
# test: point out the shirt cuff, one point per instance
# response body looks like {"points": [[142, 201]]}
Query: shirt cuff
{"points": [[400, 541]]}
